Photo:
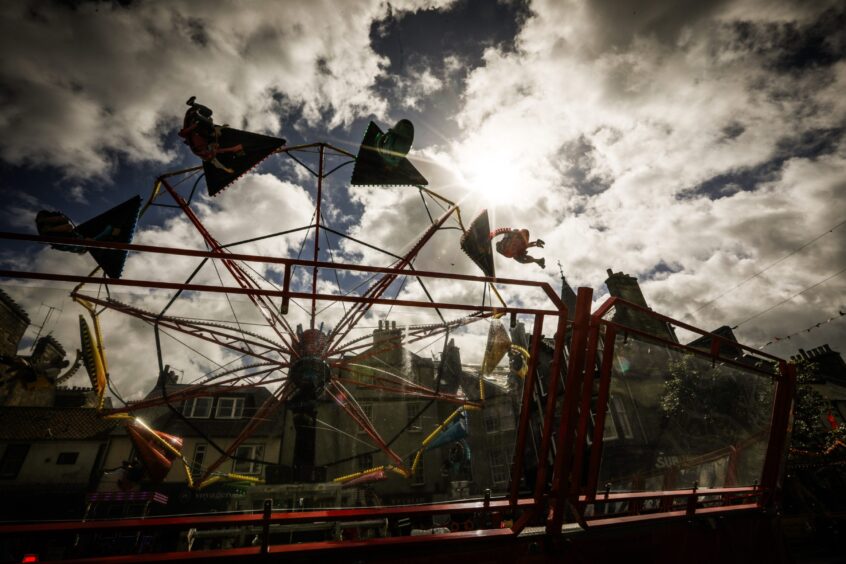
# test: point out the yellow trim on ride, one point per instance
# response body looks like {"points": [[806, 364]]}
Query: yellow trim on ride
{"points": [[244, 478], [209, 481]]}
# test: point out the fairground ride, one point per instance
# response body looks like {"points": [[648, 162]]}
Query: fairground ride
{"points": [[314, 345]]}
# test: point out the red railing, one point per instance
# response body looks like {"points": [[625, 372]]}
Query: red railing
{"points": [[570, 482]]}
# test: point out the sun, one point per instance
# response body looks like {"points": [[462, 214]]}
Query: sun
{"points": [[492, 177]]}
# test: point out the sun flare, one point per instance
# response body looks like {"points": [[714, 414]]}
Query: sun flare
{"points": [[492, 177]]}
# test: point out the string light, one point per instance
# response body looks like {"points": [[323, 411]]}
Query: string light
{"points": [[806, 330], [788, 255], [784, 301]]}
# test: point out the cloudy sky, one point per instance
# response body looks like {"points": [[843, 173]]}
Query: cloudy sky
{"points": [[695, 145]]}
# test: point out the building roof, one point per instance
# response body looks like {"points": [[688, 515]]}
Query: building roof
{"points": [[52, 423], [48, 340], [13, 305], [163, 419]]}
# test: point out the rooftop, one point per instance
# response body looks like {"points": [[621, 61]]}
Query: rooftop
{"points": [[13, 305], [52, 423]]}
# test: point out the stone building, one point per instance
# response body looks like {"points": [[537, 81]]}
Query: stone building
{"points": [[13, 323], [626, 287], [830, 379]]}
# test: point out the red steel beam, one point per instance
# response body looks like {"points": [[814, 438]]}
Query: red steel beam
{"points": [[412, 335], [262, 416], [409, 392], [362, 421], [525, 408], [601, 408], [667, 515], [562, 484], [277, 260], [260, 292], [213, 334], [584, 409], [549, 411], [316, 237], [658, 341], [266, 308], [355, 313], [284, 551], [660, 494], [776, 447], [249, 519], [612, 302]]}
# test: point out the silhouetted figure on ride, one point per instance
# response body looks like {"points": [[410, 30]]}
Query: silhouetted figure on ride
{"points": [[116, 225], [203, 136], [515, 244]]}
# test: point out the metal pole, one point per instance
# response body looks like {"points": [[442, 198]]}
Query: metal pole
{"points": [[563, 467], [525, 408], [316, 235], [265, 526]]}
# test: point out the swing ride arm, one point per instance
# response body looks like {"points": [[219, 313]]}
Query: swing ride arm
{"points": [[266, 308], [359, 310]]}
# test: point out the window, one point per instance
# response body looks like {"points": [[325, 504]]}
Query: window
{"points": [[610, 431], [365, 462], [499, 466], [506, 417], [246, 459], [619, 409], [198, 408], [12, 460], [499, 418], [415, 423], [491, 421], [367, 408], [199, 458], [229, 408], [67, 458]]}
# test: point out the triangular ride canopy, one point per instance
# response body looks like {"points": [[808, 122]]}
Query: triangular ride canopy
{"points": [[476, 243], [256, 147], [156, 459], [455, 432], [498, 344], [116, 225], [372, 170]]}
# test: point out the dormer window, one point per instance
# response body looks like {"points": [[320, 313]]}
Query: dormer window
{"points": [[197, 408], [229, 408]]}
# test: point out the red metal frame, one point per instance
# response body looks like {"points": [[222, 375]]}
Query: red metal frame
{"points": [[590, 334], [523, 426], [607, 331], [563, 471]]}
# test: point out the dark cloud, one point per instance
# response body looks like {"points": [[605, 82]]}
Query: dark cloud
{"points": [[660, 271], [808, 145], [794, 46], [466, 29], [85, 81], [446, 44], [618, 23], [581, 167], [732, 131]]}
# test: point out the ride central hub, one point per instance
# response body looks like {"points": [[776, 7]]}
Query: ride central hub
{"points": [[310, 372]]}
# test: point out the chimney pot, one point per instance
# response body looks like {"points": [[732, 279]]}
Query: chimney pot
{"points": [[610, 272]]}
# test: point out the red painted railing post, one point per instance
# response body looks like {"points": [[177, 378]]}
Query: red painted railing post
{"points": [[562, 474], [265, 526]]}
